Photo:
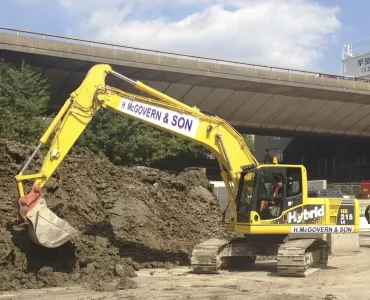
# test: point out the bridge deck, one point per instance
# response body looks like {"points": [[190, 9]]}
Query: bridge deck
{"points": [[250, 98]]}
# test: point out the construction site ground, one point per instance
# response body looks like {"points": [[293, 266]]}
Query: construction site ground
{"points": [[138, 227], [345, 278]]}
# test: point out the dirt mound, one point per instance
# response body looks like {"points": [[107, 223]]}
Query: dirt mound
{"points": [[130, 218]]}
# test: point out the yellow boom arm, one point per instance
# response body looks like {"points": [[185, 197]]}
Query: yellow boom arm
{"points": [[164, 113]]}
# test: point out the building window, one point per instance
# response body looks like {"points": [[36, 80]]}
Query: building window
{"points": [[278, 152], [272, 138]]}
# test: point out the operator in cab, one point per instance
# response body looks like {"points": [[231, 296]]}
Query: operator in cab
{"points": [[273, 206], [276, 188]]}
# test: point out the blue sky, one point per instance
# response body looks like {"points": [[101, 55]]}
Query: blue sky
{"points": [[301, 34]]}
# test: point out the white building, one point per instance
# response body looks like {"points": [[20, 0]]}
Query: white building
{"points": [[356, 59]]}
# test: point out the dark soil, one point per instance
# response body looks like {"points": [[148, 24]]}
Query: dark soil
{"points": [[130, 218]]}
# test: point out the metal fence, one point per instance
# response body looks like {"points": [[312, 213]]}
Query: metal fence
{"points": [[176, 55], [353, 189]]}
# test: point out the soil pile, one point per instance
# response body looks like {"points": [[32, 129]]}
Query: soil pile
{"points": [[129, 218]]}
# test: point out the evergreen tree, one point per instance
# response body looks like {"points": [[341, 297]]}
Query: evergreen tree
{"points": [[23, 103]]}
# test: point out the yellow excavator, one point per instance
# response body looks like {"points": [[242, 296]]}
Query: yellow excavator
{"points": [[270, 205]]}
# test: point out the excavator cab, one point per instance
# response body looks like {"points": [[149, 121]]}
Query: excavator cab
{"points": [[268, 191]]}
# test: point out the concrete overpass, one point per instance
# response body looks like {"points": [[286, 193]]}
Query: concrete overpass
{"points": [[253, 98]]}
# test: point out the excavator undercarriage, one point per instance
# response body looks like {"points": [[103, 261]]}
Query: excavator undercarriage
{"points": [[296, 256]]}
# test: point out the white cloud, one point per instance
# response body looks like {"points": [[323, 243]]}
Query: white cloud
{"points": [[290, 33]]}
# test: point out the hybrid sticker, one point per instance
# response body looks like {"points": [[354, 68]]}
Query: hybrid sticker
{"points": [[181, 123], [306, 215], [322, 229]]}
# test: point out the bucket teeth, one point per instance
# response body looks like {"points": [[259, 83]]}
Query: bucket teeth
{"points": [[47, 229]]}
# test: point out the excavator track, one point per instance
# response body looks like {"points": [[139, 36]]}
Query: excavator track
{"points": [[206, 256], [302, 257], [227, 253], [297, 257]]}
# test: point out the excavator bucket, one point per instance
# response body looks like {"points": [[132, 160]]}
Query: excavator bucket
{"points": [[46, 228]]}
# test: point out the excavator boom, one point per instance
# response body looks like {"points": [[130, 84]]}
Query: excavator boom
{"points": [[164, 113], [269, 203]]}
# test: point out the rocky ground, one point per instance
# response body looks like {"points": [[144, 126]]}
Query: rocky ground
{"points": [[130, 218], [344, 278], [138, 226]]}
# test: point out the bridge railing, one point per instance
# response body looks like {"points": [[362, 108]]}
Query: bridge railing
{"points": [[176, 55]]}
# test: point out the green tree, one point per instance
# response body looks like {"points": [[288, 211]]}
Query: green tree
{"points": [[23, 102], [250, 141], [127, 141]]}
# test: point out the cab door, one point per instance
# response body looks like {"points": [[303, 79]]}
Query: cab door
{"points": [[278, 188]]}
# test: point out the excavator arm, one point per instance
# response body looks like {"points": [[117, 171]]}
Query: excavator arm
{"points": [[162, 112]]}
